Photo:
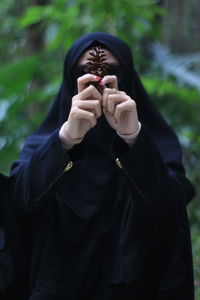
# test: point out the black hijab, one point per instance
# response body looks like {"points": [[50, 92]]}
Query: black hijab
{"points": [[163, 136], [98, 141]]}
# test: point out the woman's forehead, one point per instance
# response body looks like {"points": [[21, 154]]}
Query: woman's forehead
{"points": [[110, 58]]}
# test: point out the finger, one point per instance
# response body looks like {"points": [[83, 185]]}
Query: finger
{"points": [[106, 93], [113, 100], [90, 105], [83, 81], [79, 114], [128, 106], [110, 80], [109, 97], [89, 93]]}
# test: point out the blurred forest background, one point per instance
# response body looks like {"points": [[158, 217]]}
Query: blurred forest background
{"points": [[165, 40]]}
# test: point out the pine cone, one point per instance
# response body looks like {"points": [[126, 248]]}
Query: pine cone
{"points": [[97, 65]]}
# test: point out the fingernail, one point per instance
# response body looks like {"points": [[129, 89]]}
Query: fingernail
{"points": [[101, 82], [98, 78]]}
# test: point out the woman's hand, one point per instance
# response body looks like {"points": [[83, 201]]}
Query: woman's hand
{"points": [[85, 110], [119, 109]]}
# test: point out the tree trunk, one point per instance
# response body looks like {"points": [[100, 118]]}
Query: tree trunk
{"points": [[35, 32], [181, 25]]}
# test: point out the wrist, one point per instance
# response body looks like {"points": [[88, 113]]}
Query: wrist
{"points": [[131, 137], [67, 142]]}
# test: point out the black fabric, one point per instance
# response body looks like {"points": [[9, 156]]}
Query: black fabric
{"points": [[14, 247], [6, 267], [100, 231]]}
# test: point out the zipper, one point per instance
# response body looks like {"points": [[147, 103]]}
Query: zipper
{"points": [[67, 168], [119, 164]]}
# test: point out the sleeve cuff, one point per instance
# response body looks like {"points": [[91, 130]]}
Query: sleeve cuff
{"points": [[130, 138]]}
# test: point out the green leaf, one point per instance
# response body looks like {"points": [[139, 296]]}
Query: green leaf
{"points": [[35, 14], [14, 77]]}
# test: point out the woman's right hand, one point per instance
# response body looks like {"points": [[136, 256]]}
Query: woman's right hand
{"points": [[85, 110]]}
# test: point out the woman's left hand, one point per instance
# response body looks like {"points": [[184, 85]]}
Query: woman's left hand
{"points": [[119, 109]]}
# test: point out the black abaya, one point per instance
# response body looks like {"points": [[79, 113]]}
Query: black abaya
{"points": [[109, 220], [15, 230]]}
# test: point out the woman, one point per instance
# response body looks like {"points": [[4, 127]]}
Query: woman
{"points": [[104, 182]]}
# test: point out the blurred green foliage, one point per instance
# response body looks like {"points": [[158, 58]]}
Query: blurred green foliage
{"points": [[29, 81]]}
